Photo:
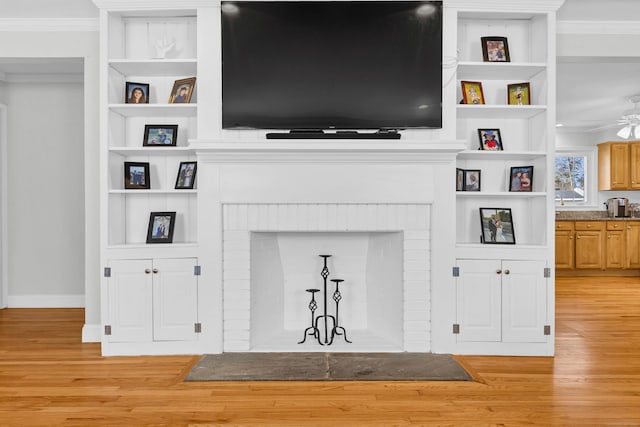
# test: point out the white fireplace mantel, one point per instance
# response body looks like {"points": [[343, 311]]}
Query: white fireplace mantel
{"points": [[327, 150]]}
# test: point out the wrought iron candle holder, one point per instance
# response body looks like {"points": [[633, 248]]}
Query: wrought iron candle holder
{"points": [[337, 296], [324, 318], [313, 305]]}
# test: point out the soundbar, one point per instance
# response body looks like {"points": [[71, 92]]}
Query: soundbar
{"points": [[340, 134]]}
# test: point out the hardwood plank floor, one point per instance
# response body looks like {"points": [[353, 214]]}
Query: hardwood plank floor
{"points": [[49, 378]]}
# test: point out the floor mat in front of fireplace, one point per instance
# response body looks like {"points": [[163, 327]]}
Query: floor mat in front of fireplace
{"points": [[328, 367]]}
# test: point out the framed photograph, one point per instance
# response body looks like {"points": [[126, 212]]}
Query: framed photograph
{"points": [[472, 180], [495, 49], [136, 93], [182, 91], [472, 92], [160, 135], [459, 179], [490, 139], [136, 176], [497, 226], [186, 175], [161, 225], [520, 178], [519, 94]]}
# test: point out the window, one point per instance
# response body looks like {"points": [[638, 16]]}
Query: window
{"points": [[570, 178]]}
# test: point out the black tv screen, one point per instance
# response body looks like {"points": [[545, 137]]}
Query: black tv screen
{"points": [[331, 64]]}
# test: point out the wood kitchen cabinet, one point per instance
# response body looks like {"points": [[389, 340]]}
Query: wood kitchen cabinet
{"points": [[634, 165], [589, 245], [565, 250], [632, 240], [605, 245], [615, 245], [619, 166]]}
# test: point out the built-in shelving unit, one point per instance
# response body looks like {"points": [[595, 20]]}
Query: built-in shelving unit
{"points": [[486, 297], [526, 130], [149, 294], [131, 40]]}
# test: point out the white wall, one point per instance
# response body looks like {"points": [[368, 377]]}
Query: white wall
{"points": [[46, 194], [598, 10], [48, 8], [65, 43]]}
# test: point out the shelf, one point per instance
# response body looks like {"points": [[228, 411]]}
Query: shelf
{"points": [[155, 110], [467, 111], [501, 194], [500, 155], [139, 246], [150, 151], [153, 192], [155, 67], [499, 70]]}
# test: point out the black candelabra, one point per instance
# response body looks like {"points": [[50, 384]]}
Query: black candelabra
{"points": [[324, 317]]}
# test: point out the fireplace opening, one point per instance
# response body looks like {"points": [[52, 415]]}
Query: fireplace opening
{"points": [[284, 264]]}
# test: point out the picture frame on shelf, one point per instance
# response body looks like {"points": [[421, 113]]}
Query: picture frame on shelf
{"points": [[521, 178], [472, 180], [497, 226], [160, 136], [472, 92], [459, 179], [136, 176], [161, 227], [136, 93], [495, 49], [182, 91], [186, 175], [519, 93], [490, 140]]}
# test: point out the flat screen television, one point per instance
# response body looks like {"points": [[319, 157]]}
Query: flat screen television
{"points": [[331, 64]]}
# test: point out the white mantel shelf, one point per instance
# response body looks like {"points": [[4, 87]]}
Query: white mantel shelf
{"points": [[323, 150]]}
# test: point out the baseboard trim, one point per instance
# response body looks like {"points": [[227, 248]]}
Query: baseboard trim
{"points": [[91, 333], [45, 301]]}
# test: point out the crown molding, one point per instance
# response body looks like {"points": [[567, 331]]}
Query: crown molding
{"points": [[49, 24], [505, 5], [153, 4], [598, 27]]}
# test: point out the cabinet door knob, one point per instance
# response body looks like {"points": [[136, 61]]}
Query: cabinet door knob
{"points": [[155, 271], [507, 272], [498, 271], [147, 271]]}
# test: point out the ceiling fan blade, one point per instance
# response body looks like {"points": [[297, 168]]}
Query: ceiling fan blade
{"points": [[603, 127]]}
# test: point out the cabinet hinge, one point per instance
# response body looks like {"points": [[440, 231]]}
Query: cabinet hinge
{"points": [[547, 329], [547, 272], [107, 272], [456, 271], [197, 270], [456, 328], [107, 329], [197, 328]]}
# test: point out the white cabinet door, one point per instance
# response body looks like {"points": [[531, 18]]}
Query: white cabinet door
{"points": [[479, 300], [524, 301], [175, 299], [129, 294], [501, 300]]}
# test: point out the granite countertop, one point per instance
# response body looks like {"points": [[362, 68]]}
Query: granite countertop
{"points": [[589, 216]]}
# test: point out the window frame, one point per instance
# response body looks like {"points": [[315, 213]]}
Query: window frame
{"points": [[590, 184]]}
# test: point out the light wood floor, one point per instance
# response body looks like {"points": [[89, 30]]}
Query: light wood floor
{"points": [[49, 378]]}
